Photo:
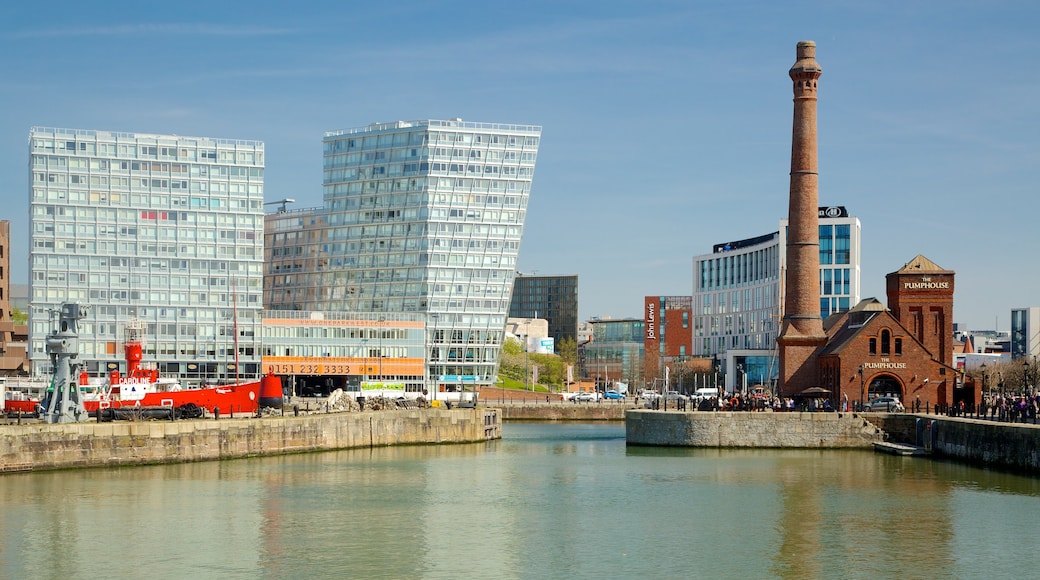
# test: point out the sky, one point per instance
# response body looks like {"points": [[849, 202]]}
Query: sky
{"points": [[666, 124]]}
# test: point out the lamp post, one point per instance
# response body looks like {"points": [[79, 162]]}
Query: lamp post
{"points": [[1025, 376], [527, 372], [982, 367], [382, 319], [364, 368]]}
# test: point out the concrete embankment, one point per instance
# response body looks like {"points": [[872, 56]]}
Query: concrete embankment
{"points": [[43, 446], [1011, 446], [739, 429]]}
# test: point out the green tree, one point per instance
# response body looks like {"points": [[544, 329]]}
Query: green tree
{"points": [[19, 317], [567, 350]]}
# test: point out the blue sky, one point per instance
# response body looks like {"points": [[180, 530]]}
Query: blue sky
{"points": [[666, 124]]}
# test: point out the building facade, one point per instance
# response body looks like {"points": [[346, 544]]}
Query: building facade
{"points": [[738, 295], [1025, 332], [418, 217], [13, 359], [615, 352], [164, 229], [667, 336], [552, 298], [872, 350]]}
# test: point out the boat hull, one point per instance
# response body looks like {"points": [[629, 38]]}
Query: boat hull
{"points": [[25, 407], [227, 399]]}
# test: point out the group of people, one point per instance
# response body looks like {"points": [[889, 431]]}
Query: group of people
{"points": [[1012, 408]]}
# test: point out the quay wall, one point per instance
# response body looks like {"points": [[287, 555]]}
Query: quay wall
{"points": [[1011, 446], [564, 412], [44, 446], [742, 429]]}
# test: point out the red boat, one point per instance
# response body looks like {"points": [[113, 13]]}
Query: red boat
{"points": [[142, 387], [15, 402]]}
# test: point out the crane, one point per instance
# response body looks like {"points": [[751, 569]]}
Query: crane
{"points": [[283, 203]]}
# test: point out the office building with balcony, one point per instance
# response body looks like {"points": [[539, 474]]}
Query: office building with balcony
{"points": [[419, 217], [164, 229]]}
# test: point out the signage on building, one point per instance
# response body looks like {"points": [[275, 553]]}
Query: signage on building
{"points": [[834, 211], [651, 321], [926, 283], [884, 364]]}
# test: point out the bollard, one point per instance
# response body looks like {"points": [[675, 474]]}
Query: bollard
{"points": [[296, 410], [216, 412]]}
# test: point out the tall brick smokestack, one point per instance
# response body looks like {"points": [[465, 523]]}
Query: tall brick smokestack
{"points": [[801, 333]]}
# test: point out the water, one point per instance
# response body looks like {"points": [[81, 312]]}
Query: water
{"points": [[548, 501]]}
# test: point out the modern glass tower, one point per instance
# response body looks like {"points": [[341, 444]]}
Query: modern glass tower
{"points": [[554, 298], [164, 229], [419, 216]]}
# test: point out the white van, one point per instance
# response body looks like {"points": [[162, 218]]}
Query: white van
{"points": [[707, 393]]}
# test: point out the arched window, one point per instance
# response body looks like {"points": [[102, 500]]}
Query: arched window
{"points": [[886, 340]]}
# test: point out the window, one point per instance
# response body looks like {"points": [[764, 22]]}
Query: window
{"points": [[899, 346], [886, 339], [873, 346]]}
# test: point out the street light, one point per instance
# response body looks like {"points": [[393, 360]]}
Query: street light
{"points": [[1025, 376], [382, 319], [982, 367], [527, 372]]}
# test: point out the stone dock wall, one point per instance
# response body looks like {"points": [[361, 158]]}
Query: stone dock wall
{"points": [[565, 412], [741, 429], [1011, 446], [43, 446]]}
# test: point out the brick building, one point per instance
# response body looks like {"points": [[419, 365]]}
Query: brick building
{"points": [[667, 339], [13, 337], [902, 350]]}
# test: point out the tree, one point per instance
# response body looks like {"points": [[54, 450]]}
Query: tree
{"points": [[19, 317], [567, 350]]}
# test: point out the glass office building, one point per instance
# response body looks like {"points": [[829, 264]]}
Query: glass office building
{"points": [[615, 353], [420, 216], [553, 298], [738, 295], [164, 229]]}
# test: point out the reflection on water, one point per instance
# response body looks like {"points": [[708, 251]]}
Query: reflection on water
{"points": [[549, 500]]}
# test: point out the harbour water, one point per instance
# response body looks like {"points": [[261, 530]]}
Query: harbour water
{"points": [[547, 501]]}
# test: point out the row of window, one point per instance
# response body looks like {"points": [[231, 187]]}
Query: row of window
{"points": [[105, 168], [253, 155], [421, 138]]}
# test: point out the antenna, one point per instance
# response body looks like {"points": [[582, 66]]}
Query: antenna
{"points": [[283, 203]]}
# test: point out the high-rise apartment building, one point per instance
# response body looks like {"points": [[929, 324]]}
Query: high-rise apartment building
{"points": [[1025, 332], [553, 298], [164, 229], [418, 217], [738, 296]]}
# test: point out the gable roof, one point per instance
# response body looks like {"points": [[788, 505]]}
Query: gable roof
{"points": [[920, 264], [842, 328], [969, 346]]}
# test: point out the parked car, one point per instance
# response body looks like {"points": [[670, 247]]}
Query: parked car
{"points": [[613, 395], [672, 396], [890, 404], [649, 395], [586, 397]]}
